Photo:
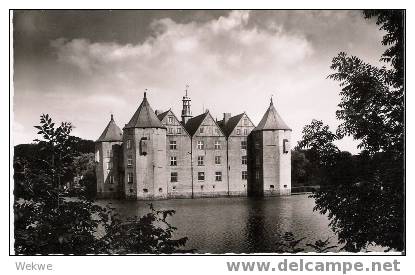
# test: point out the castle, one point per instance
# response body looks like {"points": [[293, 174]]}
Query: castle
{"points": [[156, 156]]}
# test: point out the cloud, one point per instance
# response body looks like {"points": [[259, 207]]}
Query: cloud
{"points": [[220, 48], [232, 62]]}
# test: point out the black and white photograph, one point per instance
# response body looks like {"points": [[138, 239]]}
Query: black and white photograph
{"points": [[207, 132]]}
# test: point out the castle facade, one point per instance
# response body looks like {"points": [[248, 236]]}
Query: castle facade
{"points": [[158, 156]]}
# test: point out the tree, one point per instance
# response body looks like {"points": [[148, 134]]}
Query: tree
{"points": [[368, 206], [47, 223]]}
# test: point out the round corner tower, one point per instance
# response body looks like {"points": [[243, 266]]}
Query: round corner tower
{"points": [[269, 156], [144, 150]]}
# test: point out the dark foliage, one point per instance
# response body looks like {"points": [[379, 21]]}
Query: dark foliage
{"points": [[46, 222], [364, 195]]}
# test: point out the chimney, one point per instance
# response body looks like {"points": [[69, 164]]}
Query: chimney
{"points": [[158, 112], [226, 117]]}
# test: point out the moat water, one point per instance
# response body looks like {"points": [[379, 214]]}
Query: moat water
{"points": [[238, 225]]}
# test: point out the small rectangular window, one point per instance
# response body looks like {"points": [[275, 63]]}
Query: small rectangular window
{"points": [[217, 145], [109, 165], [111, 179], [243, 144], [217, 160], [238, 131], [246, 122], [271, 187], [200, 160], [244, 175], [244, 160], [109, 153], [130, 178], [128, 143], [173, 161], [170, 130], [170, 119], [245, 132], [201, 130], [173, 177], [218, 176], [257, 175], [130, 161], [200, 145], [179, 131], [286, 146], [173, 145], [201, 176]]}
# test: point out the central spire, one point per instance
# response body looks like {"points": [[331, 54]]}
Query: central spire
{"points": [[186, 113]]}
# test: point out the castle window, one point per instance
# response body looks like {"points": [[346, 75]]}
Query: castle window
{"points": [[200, 160], [257, 145], [286, 146], [201, 130], [128, 143], [111, 179], [257, 175], [173, 177], [170, 119], [243, 144], [173, 161], [130, 161], [109, 165], [170, 130], [217, 145], [173, 145], [143, 146], [218, 176], [145, 190], [245, 132], [244, 175], [201, 176], [238, 131], [244, 160], [217, 159], [200, 145], [179, 131], [130, 178]]}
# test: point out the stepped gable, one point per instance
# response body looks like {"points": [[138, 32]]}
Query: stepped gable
{"points": [[144, 117], [111, 133], [271, 120]]}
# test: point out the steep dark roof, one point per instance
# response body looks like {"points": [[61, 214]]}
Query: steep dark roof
{"points": [[144, 117], [111, 133], [163, 115], [271, 120], [193, 124], [231, 124]]}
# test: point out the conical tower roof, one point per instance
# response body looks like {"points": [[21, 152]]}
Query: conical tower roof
{"points": [[271, 120], [111, 133], [144, 117]]}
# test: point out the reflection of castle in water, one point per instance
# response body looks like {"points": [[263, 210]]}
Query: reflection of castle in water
{"points": [[157, 156]]}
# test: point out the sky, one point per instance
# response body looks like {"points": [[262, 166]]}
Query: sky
{"points": [[82, 66]]}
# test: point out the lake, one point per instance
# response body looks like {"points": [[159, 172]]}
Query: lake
{"points": [[238, 225]]}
